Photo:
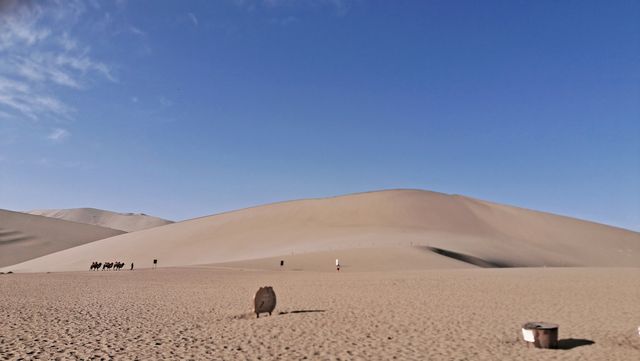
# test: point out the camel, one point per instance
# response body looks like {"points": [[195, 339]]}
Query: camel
{"points": [[116, 266]]}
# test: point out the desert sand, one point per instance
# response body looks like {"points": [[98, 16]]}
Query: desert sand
{"points": [[496, 234], [204, 313], [423, 276], [127, 222], [25, 236]]}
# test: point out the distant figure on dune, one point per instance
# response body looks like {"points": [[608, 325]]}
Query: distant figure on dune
{"points": [[281, 263], [132, 266], [337, 265]]}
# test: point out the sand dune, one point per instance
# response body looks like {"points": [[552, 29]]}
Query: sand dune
{"points": [[409, 286], [455, 225], [25, 236], [128, 222]]}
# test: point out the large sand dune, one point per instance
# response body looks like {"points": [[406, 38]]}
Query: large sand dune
{"points": [[128, 222], [454, 227], [25, 236]]}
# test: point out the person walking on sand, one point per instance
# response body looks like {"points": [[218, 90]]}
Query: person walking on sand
{"points": [[337, 265], [132, 266]]}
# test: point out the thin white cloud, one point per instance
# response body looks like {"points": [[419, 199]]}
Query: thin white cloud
{"points": [[141, 35], [83, 64], [5, 115], [193, 19], [165, 102], [121, 3], [340, 7], [136, 31], [288, 20], [58, 135], [18, 24], [39, 54], [20, 97], [67, 42]]}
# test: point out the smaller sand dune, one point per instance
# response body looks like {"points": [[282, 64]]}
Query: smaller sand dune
{"points": [[25, 236], [128, 222]]}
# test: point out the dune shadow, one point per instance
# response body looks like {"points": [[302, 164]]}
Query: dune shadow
{"points": [[14, 238], [252, 315], [470, 259], [299, 311], [569, 343]]}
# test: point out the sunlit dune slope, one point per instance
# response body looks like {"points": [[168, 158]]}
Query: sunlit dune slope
{"points": [[383, 258], [451, 226], [128, 222], [25, 236]]}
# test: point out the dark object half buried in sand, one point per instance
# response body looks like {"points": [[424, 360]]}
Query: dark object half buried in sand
{"points": [[264, 301]]}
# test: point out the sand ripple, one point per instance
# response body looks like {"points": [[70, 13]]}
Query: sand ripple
{"points": [[203, 313]]}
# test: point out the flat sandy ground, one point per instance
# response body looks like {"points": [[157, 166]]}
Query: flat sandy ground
{"points": [[203, 313]]}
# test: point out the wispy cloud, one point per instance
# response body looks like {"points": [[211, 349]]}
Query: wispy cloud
{"points": [[339, 7], [67, 42], [137, 31], [58, 135], [288, 20], [165, 102], [193, 19], [5, 115], [22, 98], [39, 55]]}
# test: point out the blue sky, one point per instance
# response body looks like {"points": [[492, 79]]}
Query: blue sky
{"points": [[182, 109]]}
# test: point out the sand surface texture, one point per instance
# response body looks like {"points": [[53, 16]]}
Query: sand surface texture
{"points": [[203, 313], [497, 235], [128, 222], [25, 236]]}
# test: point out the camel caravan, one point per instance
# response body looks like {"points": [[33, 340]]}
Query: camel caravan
{"points": [[107, 266]]}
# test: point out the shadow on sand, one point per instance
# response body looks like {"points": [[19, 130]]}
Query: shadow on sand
{"points": [[252, 316], [299, 311], [569, 343], [470, 259]]}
